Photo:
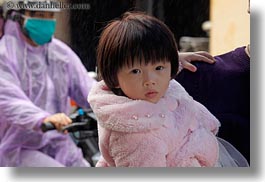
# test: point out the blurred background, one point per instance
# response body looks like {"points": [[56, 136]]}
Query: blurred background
{"points": [[216, 26]]}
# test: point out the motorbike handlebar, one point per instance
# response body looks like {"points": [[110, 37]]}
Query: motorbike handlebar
{"points": [[73, 127], [47, 126], [84, 122]]}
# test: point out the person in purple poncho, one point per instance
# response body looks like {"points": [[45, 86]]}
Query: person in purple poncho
{"points": [[39, 74]]}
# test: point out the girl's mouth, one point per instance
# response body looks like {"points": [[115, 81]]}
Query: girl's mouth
{"points": [[151, 94]]}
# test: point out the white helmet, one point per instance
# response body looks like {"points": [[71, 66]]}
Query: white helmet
{"points": [[31, 5]]}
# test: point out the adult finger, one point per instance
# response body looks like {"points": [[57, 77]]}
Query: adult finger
{"points": [[205, 56], [189, 66]]}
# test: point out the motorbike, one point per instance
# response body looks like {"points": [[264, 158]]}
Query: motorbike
{"points": [[83, 131]]}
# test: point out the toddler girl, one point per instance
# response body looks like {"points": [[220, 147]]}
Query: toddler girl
{"points": [[146, 118]]}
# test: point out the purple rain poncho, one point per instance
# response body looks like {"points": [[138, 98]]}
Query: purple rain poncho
{"points": [[36, 82]]}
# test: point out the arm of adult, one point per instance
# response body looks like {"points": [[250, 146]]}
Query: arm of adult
{"points": [[186, 58], [15, 106], [80, 82]]}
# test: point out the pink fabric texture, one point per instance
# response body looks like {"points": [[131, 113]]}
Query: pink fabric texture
{"points": [[175, 132]]}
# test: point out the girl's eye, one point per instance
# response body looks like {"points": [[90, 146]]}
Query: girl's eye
{"points": [[160, 67], [136, 71]]}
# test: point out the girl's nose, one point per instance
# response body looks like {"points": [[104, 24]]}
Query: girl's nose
{"points": [[149, 81]]}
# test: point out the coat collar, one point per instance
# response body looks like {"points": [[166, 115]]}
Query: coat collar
{"points": [[120, 113]]}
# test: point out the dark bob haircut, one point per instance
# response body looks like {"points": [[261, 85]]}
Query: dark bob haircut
{"points": [[135, 37]]}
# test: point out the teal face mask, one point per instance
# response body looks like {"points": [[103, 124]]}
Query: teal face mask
{"points": [[39, 30]]}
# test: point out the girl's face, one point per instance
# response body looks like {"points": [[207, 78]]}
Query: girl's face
{"points": [[145, 82]]}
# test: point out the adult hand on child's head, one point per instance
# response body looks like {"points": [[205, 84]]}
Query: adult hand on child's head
{"points": [[185, 59], [59, 120]]}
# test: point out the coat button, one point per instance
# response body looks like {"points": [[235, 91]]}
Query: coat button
{"points": [[148, 115], [135, 117]]}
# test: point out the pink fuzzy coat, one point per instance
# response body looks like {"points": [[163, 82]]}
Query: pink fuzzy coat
{"points": [[175, 132]]}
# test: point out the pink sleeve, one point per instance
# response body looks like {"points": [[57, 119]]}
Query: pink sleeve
{"points": [[138, 150], [207, 119]]}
